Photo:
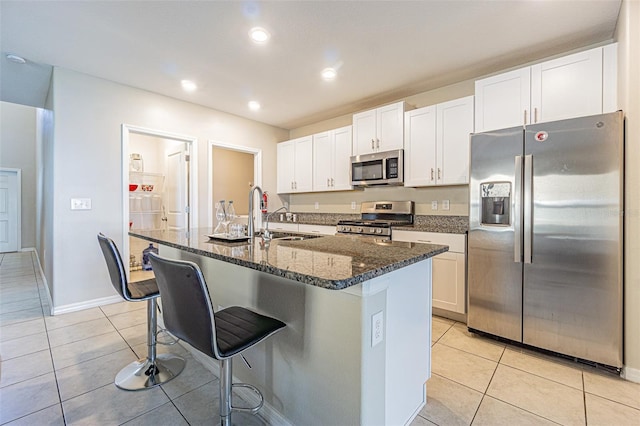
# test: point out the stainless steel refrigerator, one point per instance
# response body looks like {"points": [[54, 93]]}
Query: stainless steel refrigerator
{"points": [[545, 236]]}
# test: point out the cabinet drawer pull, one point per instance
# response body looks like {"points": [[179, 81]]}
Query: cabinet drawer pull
{"points": [[424, 241]]}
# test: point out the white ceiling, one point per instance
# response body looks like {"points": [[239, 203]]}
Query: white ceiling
{"points": [[384, 50]]}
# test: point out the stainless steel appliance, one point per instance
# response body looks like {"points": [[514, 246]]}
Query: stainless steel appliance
{"points": [[545, 236], [379, 168], [377, 218]]}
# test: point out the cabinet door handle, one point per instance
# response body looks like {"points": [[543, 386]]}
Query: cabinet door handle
{"points": [[535, 115], [332, 183], [439, 174], [291, 184], [373, 144], [328, 182], [378, 143], [432, 173], [525, 117]]}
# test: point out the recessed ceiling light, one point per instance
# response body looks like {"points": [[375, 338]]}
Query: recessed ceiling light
{"points": [[188, 85], [259, 35], [254, 105], [329, 74], [15, 59]]}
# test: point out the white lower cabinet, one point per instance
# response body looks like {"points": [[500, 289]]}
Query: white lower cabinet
{"points": [[449, 280], [283, 227], [317, 229]]}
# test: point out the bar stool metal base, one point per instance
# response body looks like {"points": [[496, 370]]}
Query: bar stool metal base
{"points": [[143, 374]]}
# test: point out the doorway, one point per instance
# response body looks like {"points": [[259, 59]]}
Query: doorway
{"points": [[233, 170], [10, 209], [159, 190]]}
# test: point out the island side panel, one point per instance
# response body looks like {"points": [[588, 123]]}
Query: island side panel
{"points": [[310, 373], [396, 367]]}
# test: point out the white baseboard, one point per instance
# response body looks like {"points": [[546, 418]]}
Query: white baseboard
{"points": [[267, 412], [631, 374], [73, 307]]}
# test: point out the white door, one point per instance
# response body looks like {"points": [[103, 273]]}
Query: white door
{"points": [[176, 200], [9, 208]]}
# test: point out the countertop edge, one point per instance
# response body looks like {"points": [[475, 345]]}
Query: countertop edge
{"points": [[296, 276]]}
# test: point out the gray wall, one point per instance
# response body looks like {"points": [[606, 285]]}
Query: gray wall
{"points": [[86, 162], [18, 151]]}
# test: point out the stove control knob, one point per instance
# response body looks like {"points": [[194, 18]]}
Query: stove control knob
{"points": [[359, 230], [379, 231]]}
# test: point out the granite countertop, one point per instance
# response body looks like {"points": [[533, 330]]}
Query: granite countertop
{"points": [[423, 223], [332, 262]]}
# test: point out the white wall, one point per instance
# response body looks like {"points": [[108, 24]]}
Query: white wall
{"points": [[18, 151], [87, 161], [628, 37]]}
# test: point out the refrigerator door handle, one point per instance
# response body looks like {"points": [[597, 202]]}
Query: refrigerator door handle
{"points": [[528, 207], [517, 211]]}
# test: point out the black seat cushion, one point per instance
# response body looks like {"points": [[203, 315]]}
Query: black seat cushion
{"points": [[238, 328], [143, 289]]}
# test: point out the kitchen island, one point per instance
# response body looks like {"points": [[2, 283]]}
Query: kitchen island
{"points": [[356, 349]]}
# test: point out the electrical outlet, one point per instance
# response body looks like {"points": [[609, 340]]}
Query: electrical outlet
{"points": [[316, 205], [353, 205], [377, 328], [434, 205], [81, 204], [445, 204]]}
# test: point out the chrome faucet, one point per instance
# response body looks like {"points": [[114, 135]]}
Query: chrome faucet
{"points": [[250, 225], [266, 235]]}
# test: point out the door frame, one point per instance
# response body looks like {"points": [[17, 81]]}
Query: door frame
{"points": [[18, 173], [257, 171], [127, 130]]}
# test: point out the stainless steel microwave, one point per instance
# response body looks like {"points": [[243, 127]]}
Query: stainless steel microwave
{"points": [[378, 168]]}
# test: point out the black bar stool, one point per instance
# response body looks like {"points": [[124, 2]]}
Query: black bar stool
{"points": [[155, 369], [188, 314]]}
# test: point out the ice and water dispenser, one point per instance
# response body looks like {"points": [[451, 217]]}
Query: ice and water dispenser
{"points": [[496, 203]]}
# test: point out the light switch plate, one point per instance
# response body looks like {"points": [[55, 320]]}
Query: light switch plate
{"points": [[377, 328], [316, 205], [353, 205], [445, 204], [81, 204], [434, 205]]}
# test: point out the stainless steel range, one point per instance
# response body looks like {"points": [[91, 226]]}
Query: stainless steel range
{"points": [[377, 218]]}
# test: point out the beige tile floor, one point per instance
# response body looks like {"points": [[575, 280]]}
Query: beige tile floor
{"points": [[59, 370]]}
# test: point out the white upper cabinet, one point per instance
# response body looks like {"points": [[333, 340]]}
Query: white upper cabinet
{"points": [[378, 130], [453, 129], [503, 100], [420, 147], [437, 143], [567, 87], [331, 160], [294, 163], [576, 85]]}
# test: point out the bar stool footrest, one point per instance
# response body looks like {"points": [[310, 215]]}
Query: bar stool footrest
{"points": [[252, 410]]}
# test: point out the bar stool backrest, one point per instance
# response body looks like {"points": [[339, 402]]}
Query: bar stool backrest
{"points": [[115, 266], [187, 309]]}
